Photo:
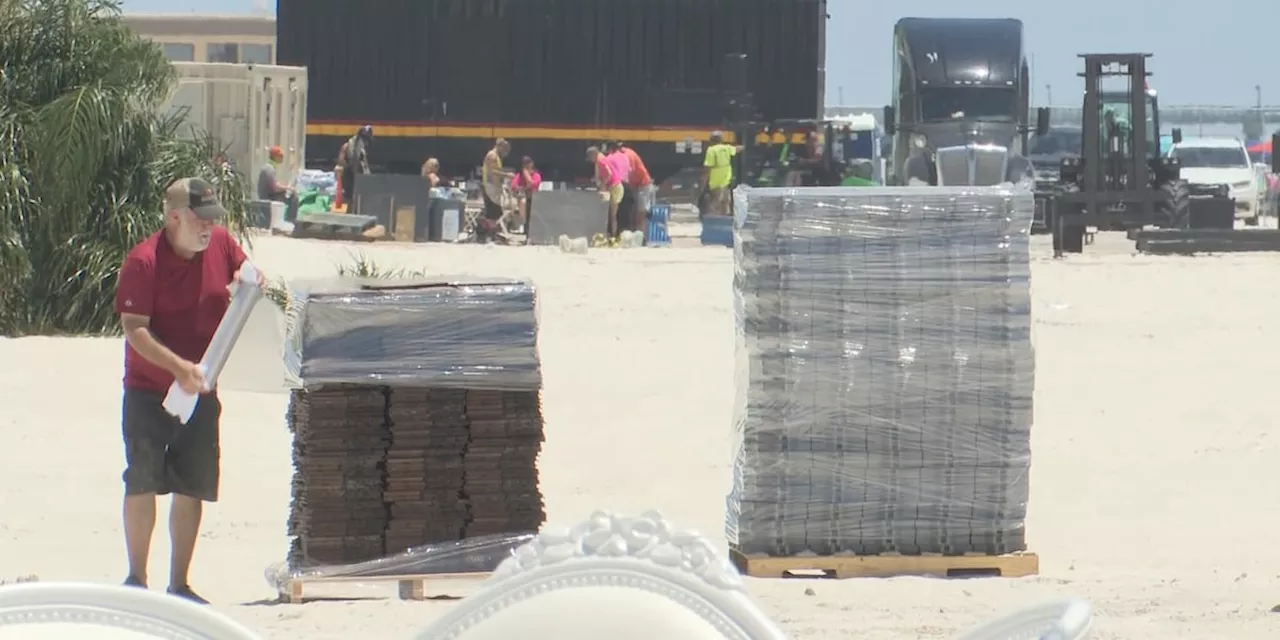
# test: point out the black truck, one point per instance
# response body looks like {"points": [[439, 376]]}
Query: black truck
{"points": [[961, 102], [443, 78]]}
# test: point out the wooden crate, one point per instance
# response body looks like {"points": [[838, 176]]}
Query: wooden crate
{"points": [[1015, 565], [406, 223], [409, 587]]}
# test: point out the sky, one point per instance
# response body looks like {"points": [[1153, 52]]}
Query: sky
{"points": [[1200, 57]]}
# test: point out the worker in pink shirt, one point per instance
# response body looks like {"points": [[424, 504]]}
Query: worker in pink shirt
{"points": [[621, 163], [638, 186], [610, 176]]}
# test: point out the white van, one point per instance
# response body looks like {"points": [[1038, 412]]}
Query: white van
{"points": [[1221, 161]]}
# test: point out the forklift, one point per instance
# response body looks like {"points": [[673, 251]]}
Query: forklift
{"points": [[1121, 180]]}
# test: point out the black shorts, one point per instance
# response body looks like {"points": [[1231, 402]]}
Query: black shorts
{"points": [[626, 210], [165, 456], [348, 184], [492, 210]]}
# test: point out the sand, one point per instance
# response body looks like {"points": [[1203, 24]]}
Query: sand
{"points": [[1154, 469]]}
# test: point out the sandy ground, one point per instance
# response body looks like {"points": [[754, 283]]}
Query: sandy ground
{"points": [[1155, 454]]}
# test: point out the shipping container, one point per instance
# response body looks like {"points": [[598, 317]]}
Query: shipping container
{"points": [[249, 108], [443, 78]]}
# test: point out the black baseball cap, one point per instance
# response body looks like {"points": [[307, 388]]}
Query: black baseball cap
{"points": [[194, 194]]}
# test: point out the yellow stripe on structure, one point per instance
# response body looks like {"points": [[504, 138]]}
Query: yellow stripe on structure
{"points": [[778, 138], [518, 132]]}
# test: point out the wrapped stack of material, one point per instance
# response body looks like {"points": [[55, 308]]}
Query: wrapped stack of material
{"points": [[424, 467], [340, 440], [451, 335], [885, 371], [501, 486], [455, 368]]}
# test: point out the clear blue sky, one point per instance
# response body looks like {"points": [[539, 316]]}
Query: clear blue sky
{"points": [[1203, 54]]}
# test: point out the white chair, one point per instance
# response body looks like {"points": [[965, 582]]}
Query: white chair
{"points": [[610, 577], [1064, 620], [71, 610]]}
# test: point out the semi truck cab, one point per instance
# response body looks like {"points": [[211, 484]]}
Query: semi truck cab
{"points": [[961, 102]]}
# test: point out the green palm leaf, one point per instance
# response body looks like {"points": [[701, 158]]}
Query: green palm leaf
{"points": [[84, 160]]}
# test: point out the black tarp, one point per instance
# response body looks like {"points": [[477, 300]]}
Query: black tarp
{"points": [[551, 62]]}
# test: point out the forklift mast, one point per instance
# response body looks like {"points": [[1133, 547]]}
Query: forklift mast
{"points": [[1116, 156]]}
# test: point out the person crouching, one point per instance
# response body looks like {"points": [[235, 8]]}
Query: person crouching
{"points": [[608, 181], [641, 184]]}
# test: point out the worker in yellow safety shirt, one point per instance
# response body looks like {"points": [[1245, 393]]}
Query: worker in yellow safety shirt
{"points": [[717, 174]]}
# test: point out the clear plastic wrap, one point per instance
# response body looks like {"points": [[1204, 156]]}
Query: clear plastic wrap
{"points": [[440, 333], [475, 555], [416, 417], [884, 370], [179, 403]]}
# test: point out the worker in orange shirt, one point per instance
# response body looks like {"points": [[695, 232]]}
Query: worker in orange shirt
{"points": [[640, 182]]}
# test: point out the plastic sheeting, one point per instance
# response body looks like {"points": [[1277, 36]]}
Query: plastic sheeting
{"points": [[475, 555], [884, 370], [181, 404], [439, 333]]}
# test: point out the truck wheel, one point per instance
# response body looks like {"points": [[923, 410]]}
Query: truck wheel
{"points": [[1175, 213]]}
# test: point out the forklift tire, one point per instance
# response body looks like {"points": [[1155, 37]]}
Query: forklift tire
{"points": [[1073, 239], [1175, 213], [1251, 222]]}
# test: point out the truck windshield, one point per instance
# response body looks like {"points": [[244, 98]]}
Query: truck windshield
{"points": [[955, 103], [1212, 157]]}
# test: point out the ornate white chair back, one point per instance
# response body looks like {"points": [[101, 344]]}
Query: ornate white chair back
{"points": [[1062, 620], [611, 576], [72, 610]]}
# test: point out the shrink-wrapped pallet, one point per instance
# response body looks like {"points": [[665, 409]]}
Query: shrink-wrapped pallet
{"points": [[416, 418], [884, 371]]}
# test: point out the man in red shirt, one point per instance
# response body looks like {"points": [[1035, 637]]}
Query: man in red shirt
{"points": [[642, 184], [172, 294]]}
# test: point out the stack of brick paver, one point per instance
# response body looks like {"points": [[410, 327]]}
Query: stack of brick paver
{"points": [[501, 487], [338, 513], [418, 419], [425, 467]]}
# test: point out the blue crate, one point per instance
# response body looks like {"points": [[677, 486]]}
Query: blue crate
{"points": [[657, 234], [717, 231]]}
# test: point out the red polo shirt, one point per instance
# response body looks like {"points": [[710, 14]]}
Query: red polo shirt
{"points": [[639, 173], [185, 300]]}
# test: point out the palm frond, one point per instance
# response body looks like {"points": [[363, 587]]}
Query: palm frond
{"points": [[361, 266], [85, 157]]}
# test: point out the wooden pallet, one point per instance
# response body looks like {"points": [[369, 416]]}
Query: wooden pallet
{"points": [[1014, 565], [409, 587]]}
